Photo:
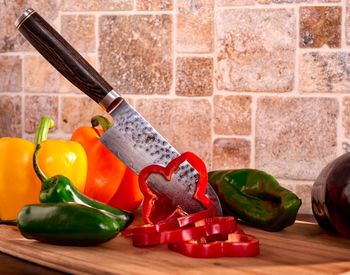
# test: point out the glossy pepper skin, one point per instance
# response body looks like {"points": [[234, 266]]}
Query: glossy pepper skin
{"points": [[59, 157], [59, 189], [18, 183], [66, 224], [109, 180], [256, 198]]}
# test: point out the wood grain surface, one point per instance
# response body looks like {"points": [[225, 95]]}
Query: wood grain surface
{"points": [[300, 249]]}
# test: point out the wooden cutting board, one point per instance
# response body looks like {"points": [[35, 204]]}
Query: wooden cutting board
{"points": [[300, 249]]}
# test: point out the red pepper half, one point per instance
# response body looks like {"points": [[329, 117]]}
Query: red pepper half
{"points": [[236, 245], [197, 235], [157, 207]]}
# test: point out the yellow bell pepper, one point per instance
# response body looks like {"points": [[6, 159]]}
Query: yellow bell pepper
{"points": [[18, 183], [59, 157]]}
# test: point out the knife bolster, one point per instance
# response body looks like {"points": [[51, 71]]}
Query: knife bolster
{"points": [[111, 101]]}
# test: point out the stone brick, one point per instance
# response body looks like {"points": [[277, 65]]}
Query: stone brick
{"points": [[184, 123], [320, 26], [194, 76], [136, 53], [10, 74], [151, 5], [347, 22], [10, 116], [77, 112], [231, 153], [325, 72], [195, 31], [303, 191], [232, 115], [295, 137], [79, 31], [37, 106], [39, 75], [10, 38], [65, 86], [97, 5], [229, 3], [256, 49]]}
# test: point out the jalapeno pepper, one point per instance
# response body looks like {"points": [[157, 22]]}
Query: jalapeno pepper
{"points": [[60, 189], [256, 198], [65, 224]]}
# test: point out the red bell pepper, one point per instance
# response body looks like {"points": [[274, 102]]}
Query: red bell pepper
{"points": [[107, 175], [197, 235], [157, 207]]}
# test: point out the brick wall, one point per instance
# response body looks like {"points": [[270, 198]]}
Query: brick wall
{"points": [[244, 83]]}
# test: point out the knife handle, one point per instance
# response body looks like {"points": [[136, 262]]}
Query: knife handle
{"points": [[66, 59]]}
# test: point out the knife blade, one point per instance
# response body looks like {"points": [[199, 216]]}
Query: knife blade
{"points": [[132, 138]]}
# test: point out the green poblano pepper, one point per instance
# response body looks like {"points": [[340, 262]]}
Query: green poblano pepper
{"points": [[65, 224], [255, 197]]}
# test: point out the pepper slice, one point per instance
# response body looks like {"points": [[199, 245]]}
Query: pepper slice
{"points": [[203, 228], [177, 220], [236, 245], [157, 207]]}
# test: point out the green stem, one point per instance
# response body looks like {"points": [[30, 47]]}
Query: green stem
{"points": [[102, 121], [43, 178], [9, 222], [46, 123]]}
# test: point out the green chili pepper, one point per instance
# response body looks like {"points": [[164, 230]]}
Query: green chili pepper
{"points": [[65, 224], [59, 189], [256, 198]]}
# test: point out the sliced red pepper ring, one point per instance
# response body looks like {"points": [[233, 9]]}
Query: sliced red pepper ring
{"points": [[236, 245], [203, 228], [157, 207], [178, 219]]}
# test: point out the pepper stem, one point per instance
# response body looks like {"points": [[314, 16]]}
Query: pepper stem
{"points": [[45, 124], [102, 121], [9, 222], [37, 169]]}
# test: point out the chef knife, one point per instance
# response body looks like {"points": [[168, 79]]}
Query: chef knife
{"points": [[132, 139]]}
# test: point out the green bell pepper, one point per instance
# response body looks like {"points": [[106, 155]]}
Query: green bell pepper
{"points": [[255, 197]]}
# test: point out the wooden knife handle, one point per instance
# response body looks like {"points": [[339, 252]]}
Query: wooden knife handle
{"points": [[64, 58]]}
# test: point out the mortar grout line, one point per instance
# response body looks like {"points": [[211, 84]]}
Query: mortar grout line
{"points": [[111, 13], [211, 100], [279, 6], [297, 56], [340, 129], [22, 99], [343, 24], [97, 43], [254, 108], [172, 91], [301, 50]]}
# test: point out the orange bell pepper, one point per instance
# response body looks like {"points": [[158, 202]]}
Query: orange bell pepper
{"points": [[109, 180]]}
